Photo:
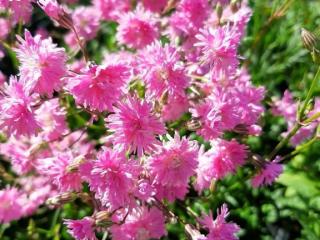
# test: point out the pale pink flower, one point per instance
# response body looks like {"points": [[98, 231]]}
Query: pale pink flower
{"points": [[224, 157], [52, 118], [98, 87], [82, 229], [285, 107], [268, 174], [17, 117], [52, 8], [20, 10], [219, 49], [114, 178], [161, 70], [174, 163], [42, 64], [57, 168], [86, 22], [112, 9], [155, 6], [141, 224], [137, 29], [5, 28], [11, 205], [134, 126], [219, 228]]}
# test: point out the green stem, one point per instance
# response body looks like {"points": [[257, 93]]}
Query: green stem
{"points": [[284, 141], [309, 95], [299, 149]]}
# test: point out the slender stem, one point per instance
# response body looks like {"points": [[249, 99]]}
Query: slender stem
{"points": [[299, 149], [284, 141], [309, 95], [312, 118], [83, 49]]}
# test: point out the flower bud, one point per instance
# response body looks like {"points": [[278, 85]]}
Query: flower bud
{"points": [[102, 219], [74, 166], [312, 43], [193, 124], [219, 10], [257, 161], [62, 199], [234, 6]]}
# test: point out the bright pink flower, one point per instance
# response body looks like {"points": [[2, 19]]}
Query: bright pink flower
{"points": [[171, 192], [52, 8], [52, 118], [219, 228], [86, 22], [112, 9], [134, 126], [42, 64], [2, 79], [219, 49], [141, 224], [155, 6], [17, 117], [99, 87], [82, 229], [161, 70], [174, 163], [137, 29], [268, 173], [57, 168], [224, 157], [217, 114], [5, 28], [187, 20], [285, 107], [11, 205], [114, 178]]}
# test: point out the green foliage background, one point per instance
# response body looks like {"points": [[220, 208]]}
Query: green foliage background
{"points": [[290, 209]]}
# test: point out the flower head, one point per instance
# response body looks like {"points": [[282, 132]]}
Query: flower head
{"points": [[42, 64], [137, 29], [112, 9], [142, 223], [224, 157], [134, 126], [114, 178], [17, 117], [99, 87], [155, 6], [81, 229], [219, 228], [267, 175]]}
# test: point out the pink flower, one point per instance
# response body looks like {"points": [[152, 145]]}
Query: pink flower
{"points": [[155, 6], [219, 228], [17, 117], [51, 8], [112, 9], [11, 205], [86, 22], [99, 87], [114, 178], [219, 49], [42, 64], [52, 118], [285, 107], [5, 28], [176, 106], [217, 114], [137, 29], [141, 224], [224, 157], [268, 174], [174, 163], [57, 168], [82, 229], [134, 126], [20, 10], [161, 70], [187, 20]]}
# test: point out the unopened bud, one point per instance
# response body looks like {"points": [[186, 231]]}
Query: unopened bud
{"points": [[212, 187], [241, 129], [234, 6], [103, 219], [62, 199], [312, 43], [193, 124], [257, 161], [219, 10], [37, 148], [74, 166]]}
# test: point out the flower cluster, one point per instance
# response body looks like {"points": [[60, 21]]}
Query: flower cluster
{"points": [[162, 110]]}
